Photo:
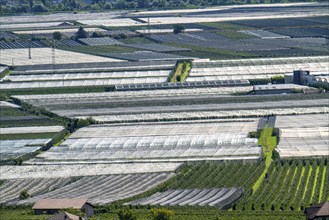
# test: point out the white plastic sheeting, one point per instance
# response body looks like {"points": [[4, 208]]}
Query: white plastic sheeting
{"points": [[11, 189], [52, 99], [251, 71], [115, 22], [66, 30], [98, 75], [305, 136], [150, 142], [192, 197], [210, 114], [18, 57], [302, 121], [10, 149], [102, 190], [29, 130], [8, 104], [189, 108], [62, 171], [79, 83]]}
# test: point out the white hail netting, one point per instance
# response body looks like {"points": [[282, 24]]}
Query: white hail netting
{"points": [[32, 129], [302, 136], [57, 171], [18, 57], [98, 75], [77, 97], [11, 189], [66, 30], [10, 149], [230, 17], [91, 82], [252, 72], [225, 128], [209, 114], [200, 197], [152, 142], [102, 189]]}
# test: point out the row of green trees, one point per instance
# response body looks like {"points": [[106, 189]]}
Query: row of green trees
{"points": [[216, 175], [290, 185], [26, 6]]}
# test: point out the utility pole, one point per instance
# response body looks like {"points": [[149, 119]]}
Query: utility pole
{"points": [[30, 56], [148, 25], [53, 56]]}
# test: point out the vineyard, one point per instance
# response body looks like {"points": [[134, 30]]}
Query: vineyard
{"points": [[217, 175], [290, 185]]}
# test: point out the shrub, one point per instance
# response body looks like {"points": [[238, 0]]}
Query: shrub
{"points": [[24, 195], [97, 34], [161, 214], [123, 36], [279, 79], [126, 214], [40, 8], [82, 33], [57, 35], [178, 28]]}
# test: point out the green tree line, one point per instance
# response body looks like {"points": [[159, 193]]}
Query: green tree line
{"points": [[42, 6]]}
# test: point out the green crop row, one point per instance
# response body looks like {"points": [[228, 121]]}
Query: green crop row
{"points": [[289, 186], [216, 175]]}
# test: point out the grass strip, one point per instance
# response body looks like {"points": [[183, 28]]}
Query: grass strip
{"points": [[269, 143], [307, 180], [315, 178], [181, 72], [322, 182], [27, 136]]}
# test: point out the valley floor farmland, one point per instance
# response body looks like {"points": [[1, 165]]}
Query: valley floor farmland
{"points": [[198, 136]]}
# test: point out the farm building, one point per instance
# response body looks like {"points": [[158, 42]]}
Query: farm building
{"points": [[318, 212], [64, 216], [52, 206], [305, 77], [280, 88]]}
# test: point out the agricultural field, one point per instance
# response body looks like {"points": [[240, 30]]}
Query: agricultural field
{"points": [[11, 149], [24, 134], [254, 68], [134, 116], [98, 75], [206, 197], [5, 25], [157, 47], [140, 106], [80, 170], [145, 56], [290, 185], [69, 31], [27, 44], [303, 136], [100, 190], [100, 41], [225, 139], [19, 57]]}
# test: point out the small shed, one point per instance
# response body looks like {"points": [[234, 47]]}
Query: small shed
{"points": [[64, 216], [318, 212], [53, 206]]}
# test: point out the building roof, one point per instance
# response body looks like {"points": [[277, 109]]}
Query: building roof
{"points": [[64, 216], [77, 203], [319, 210], [279, 86]]}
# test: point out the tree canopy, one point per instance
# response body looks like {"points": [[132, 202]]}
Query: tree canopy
{"points": [[41, 6]]}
